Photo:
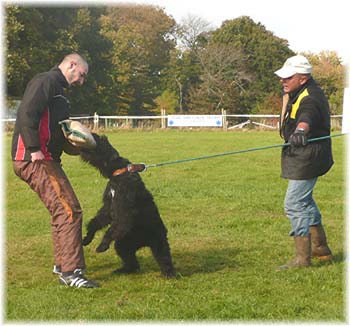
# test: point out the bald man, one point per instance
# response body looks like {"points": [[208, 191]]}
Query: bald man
{"points": [[37, 146]]}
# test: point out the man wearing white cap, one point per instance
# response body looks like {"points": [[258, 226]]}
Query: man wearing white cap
{"points": [[305, 115]]}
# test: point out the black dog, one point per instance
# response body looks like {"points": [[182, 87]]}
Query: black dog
{"points": [[129, 209]]}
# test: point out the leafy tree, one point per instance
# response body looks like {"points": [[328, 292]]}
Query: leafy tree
{"points": [[167, 101], [224, 80], [23, 34], [329, 73], [43, 36], [141, 60], [141, 37], [182, 72], [264, 53], [17, 65], [97, 95], [185, 69]]}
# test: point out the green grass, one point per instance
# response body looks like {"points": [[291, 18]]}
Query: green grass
{"points": [[227, 232]]}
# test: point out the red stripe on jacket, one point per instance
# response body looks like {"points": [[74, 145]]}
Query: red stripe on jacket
{"points": [[20, 152], [44, 137]]}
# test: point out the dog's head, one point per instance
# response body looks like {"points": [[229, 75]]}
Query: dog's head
{"points": [[104, 156]]}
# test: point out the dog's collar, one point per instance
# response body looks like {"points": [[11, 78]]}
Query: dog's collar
{"points": [[120, 171], [129, 168]]}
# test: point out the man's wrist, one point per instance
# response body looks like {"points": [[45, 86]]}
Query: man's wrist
{"points": [[34, 149]]}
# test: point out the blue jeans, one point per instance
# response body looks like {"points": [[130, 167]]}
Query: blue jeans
{"points": [[300, 207]]}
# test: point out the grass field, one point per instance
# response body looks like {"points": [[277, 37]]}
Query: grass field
{"points": [[227, 232]]}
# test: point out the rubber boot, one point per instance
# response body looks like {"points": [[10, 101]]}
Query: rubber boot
{"points": [[302, 253], [319, 246]]}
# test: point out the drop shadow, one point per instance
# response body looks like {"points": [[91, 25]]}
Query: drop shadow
{"points": [[186, 263]]}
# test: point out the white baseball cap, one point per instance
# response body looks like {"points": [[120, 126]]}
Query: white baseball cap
{"points": [[294, 65]]}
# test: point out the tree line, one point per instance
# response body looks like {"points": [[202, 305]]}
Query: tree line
{"points": [[141, 60]]}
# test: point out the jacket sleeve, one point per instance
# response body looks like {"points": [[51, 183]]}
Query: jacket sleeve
{"points": [[35, 101]]}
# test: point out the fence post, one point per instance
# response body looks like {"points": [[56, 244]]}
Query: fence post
{"points": [[163, 112], [224, 119], [96, 118]]}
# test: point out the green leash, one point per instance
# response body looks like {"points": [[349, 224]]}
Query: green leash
{"points": [[235, 152]]}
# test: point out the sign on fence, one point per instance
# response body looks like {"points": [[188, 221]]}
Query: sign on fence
{"points": [[194, 120]]}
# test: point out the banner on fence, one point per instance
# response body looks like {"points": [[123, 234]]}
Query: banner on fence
{"points": [[194, 120]]}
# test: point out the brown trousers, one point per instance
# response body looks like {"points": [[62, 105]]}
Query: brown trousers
{"points": [[51, 184]]}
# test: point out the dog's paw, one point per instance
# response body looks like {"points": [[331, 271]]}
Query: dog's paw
{"points": [[169, 274], [102, 247], [125, 270], [87, 239]]}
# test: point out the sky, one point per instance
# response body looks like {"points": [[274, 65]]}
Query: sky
{"points": [[308, 25]]}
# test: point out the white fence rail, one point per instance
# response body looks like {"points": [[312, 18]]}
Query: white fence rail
{"points": [[228, 121]]}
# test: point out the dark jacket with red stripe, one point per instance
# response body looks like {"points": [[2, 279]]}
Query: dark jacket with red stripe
{"points": [[307, 104], [37, 125]]}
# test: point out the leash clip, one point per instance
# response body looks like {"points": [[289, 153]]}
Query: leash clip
{"points": [[136, 167]]}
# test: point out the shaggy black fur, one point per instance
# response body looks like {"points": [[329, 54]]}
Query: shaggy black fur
{"points": [[129, 209]]}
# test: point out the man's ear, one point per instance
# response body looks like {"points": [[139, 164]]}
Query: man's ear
{"points": [[72, 64], [304, 80]]}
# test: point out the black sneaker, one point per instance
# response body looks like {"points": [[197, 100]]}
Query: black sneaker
{"points": [[77, 279], [57, 270]]}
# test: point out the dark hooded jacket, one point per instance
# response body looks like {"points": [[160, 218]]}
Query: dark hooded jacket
{"points": [[37, 125], [307, 104]]}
